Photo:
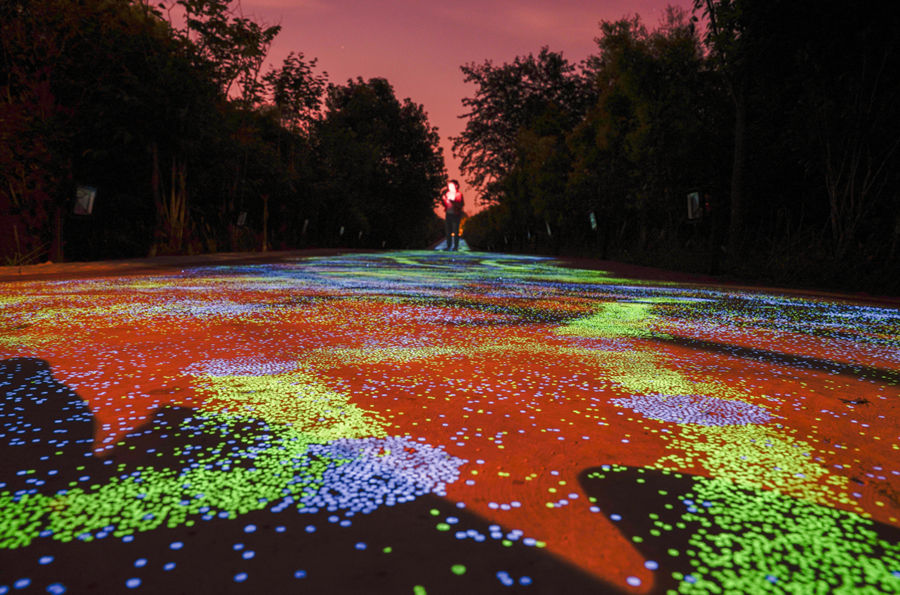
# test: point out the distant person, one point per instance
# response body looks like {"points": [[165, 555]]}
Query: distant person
{"points": [[452, 199]]}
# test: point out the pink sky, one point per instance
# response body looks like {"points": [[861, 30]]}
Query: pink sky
{"points": [[418, 46]]}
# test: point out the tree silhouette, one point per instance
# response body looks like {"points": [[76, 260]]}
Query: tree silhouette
{"points": [[382, 166], [507, 99]]}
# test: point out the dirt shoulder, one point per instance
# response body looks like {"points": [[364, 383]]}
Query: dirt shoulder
{"points": [[157, 265], [645, 273]]}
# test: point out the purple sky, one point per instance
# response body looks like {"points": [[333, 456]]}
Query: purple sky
{"points": [[418, 46]]}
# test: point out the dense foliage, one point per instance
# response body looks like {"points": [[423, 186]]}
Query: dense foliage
{"points": [[191, 146], [780, 114]]}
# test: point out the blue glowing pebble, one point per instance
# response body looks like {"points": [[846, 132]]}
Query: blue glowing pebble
{"points": [[379, 471], [695, 409]]}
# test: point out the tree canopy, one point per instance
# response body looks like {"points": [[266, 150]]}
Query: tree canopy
{"points": [[379, 157], [191, 142], [783, 136], [509, 98]]}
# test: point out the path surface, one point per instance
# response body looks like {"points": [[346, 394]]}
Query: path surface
{"points": [[422, 422]]}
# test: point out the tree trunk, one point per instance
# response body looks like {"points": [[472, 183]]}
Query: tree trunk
{"points": [[171, 207]]}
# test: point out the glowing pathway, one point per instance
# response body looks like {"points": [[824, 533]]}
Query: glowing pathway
{"points": [[428, 423]]}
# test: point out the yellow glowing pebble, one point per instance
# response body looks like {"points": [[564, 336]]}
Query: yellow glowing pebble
{"points": [[297, 399], [641, 372], [379, 355], [645, 372], [761, 457], [614, 319]]}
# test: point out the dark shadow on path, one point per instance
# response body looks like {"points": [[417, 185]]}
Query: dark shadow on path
{"points": [[45, 449], [661, 513], [802, 362]]}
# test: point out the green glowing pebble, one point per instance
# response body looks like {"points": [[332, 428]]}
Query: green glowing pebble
{"points": [[758, 535], [443, 527], [388, 550], [419, 590], [458, 569], [435, 512], [322, 413], [156, 497], [507, 543], [614, 319]]}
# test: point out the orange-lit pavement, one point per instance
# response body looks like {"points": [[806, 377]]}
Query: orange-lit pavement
{"points": [[419, 422]]}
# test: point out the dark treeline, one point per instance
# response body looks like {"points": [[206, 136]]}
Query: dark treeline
{"points": [[167, 111], [780, 114]]}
